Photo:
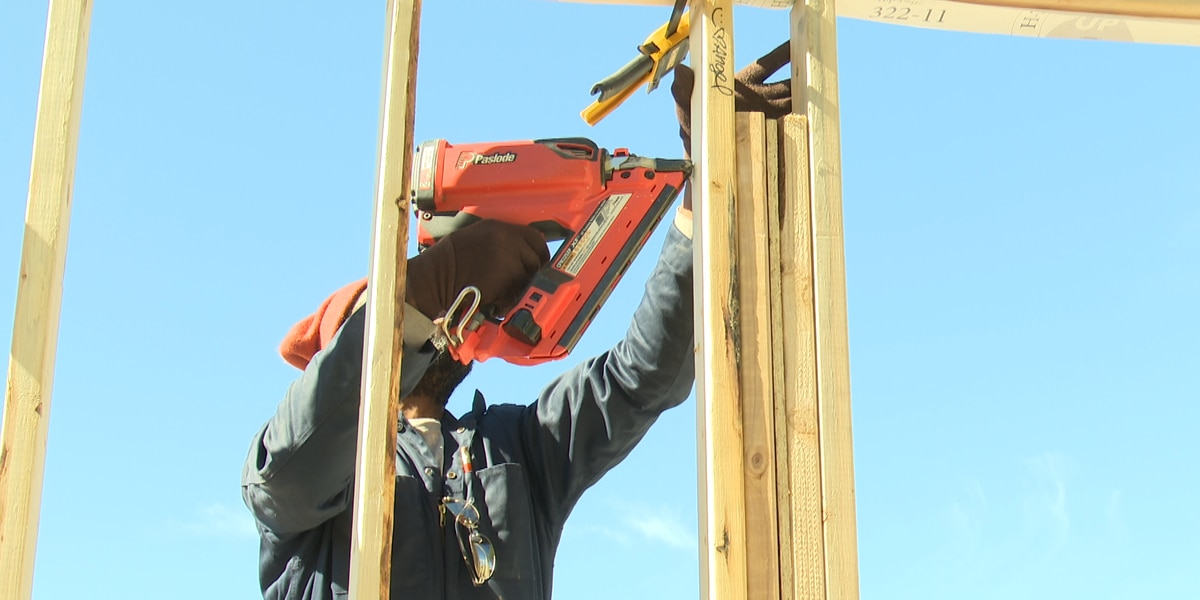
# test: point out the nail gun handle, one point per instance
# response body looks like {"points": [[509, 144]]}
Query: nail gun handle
{"points": [[564, 297]]}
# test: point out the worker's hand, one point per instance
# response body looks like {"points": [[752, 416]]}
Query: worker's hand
{"points": [[751, 92], [496, 257]]}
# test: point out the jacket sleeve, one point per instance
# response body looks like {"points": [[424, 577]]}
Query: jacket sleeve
{"points": [[301, 463], [316, 330], [587, 421]]}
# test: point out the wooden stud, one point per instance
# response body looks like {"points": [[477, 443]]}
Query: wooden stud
{"points": [[375, 479], [779, 313], [39, 292], [722, 514], [755, 364], [798, 328], [814, 75]]}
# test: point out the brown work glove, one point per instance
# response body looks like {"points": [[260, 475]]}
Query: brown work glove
{"points": [[750, 91], [498, 258]]}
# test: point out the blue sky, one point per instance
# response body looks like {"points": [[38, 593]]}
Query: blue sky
{"points": [[1022, 234]]}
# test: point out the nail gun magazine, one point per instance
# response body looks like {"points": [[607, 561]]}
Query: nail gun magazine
{"points": [[602, 206]]}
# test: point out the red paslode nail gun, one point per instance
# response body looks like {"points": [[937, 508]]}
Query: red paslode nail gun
{"points": [[602, 206]]}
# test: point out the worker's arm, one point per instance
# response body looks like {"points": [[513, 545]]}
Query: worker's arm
{"points": [[301, 463], [591, 417], [588, 420]]}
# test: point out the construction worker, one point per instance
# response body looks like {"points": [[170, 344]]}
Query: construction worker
{"points": [[480, 499]]}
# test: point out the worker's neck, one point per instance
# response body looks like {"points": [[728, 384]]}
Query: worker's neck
{"points": [[421, 407]]}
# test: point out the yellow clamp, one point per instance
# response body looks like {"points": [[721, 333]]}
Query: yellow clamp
{"points": [[660, 53]]}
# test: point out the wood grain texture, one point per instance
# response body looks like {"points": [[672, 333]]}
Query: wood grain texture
{"points": [[39, 292], [800, 356], [815, 76], [755, 373], [722, 512], [779, 312], [1155, 9], [375, 470]]}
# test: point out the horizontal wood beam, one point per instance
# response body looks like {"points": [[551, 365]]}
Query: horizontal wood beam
{"points": [[1152, 9], [1173, 22]]}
